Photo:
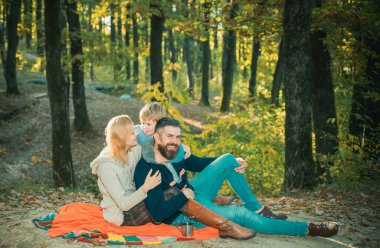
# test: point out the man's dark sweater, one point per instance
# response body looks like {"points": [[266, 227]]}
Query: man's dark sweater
{"points": [[159, 209]]}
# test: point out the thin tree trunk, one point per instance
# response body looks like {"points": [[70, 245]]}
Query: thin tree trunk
{"points": [[187, 47], [127, 43], [28, 22], [255, 59], [119, 53], [156, 30], [91, 45], [278, 77], [81, 120], [113, 43], [10, 63], [206, 57], [58, 89], [136, 49], [173, 58], [229, 63], [2, 47], [147, 58], [324, 113], [39, 33], [299, 164]]}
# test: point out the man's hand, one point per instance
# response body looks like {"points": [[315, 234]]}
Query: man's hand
{"points": [[242, 167], [189, 193]]}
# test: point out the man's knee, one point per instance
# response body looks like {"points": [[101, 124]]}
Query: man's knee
{"points": [[229, 160], [170, 192]]}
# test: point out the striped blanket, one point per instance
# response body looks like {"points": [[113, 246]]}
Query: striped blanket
{"points": [[84, 222]]}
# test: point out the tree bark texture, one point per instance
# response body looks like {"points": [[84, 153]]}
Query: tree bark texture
{"points": [[187, 48], [28, 22], [13, 19], [39, 32], [254, 63], [324, 112], [173, 58], [128, 43], [136, 49], [81, 120], [58, 89], [229, 62], [157, 28], [299, 164], [278, 77], [206, 57]]}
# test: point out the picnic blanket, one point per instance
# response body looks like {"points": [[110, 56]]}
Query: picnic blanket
{"points": [[84, 222]]}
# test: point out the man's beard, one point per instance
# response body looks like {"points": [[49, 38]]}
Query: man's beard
{"points": [[165, 152]]}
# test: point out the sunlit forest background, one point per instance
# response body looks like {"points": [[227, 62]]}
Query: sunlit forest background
{"points": [[291, 87]]}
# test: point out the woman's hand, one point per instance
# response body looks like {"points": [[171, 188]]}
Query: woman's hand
{"points": [[187, 151], [151, 181], [242, 167]]}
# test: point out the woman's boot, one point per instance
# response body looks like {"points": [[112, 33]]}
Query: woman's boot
{"points": [[227, 228]]}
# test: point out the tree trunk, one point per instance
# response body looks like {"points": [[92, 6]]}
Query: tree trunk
{"points": [[13, 19], [147, 58], [229, 62], [64, 33], [173, 58], [255, 59], [116, 71], [58, 89], [127, 43], [156, 30], [136, 49], [90, 44], [81, 120], [299, 164], [2, 47], [206, 57], [187, 45], [28, 22], [324, 113], [187, 53], [278, 77], [39, 34]]}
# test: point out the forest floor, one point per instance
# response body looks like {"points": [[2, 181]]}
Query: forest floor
{"points": [[25, 176]]}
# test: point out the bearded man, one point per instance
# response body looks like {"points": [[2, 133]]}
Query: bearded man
{"points": [[203, 188]]}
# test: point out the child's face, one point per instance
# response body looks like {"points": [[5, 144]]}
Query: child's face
{"points": [[148, 126]]}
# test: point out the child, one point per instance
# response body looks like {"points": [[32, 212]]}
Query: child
{"points": [[149, 115]]}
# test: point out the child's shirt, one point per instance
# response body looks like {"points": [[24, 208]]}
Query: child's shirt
{"points": [[146, 142]]}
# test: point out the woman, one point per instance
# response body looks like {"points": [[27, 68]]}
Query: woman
{"points": [[122, 204]]}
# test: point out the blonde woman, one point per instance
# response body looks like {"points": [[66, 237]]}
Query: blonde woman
{"points": [[122, 204]]}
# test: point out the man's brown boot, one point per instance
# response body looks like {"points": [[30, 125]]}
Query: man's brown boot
{"points": [[223, 200], [227, 228], [323, 229]]}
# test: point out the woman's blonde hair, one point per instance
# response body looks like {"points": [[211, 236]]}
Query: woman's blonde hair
{"points": [[118, 129]]}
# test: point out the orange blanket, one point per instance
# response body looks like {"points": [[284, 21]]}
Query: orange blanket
{"points": [[83, 216]]}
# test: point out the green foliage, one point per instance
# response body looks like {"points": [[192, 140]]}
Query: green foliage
{"points": [[352, 166], [257, 136]]}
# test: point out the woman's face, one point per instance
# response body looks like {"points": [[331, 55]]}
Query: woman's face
{"points": [[131, 139]]}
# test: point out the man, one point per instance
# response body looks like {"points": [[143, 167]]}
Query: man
{"points": [[205, 185]]}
